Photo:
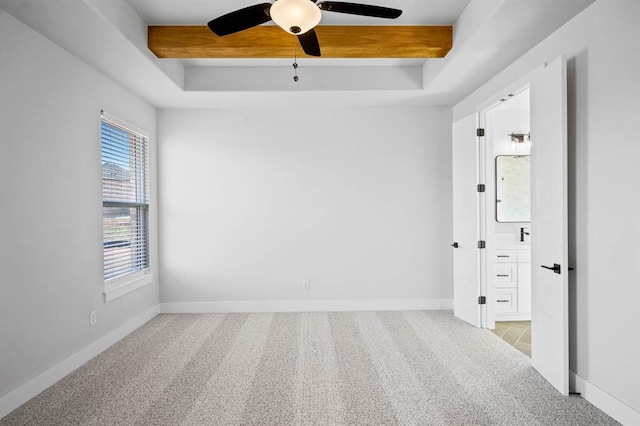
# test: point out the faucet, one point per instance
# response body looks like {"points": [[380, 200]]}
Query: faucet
{"points": [[523, 232]]}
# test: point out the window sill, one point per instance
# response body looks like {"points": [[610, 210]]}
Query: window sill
{"points": [[121, 286]]}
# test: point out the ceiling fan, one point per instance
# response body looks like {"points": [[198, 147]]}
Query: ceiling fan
{"points": [[297, 17]]}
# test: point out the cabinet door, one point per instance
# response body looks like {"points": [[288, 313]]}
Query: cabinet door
{"points": [[524, 256], [524, 287], [504, 275], [506, 301]]}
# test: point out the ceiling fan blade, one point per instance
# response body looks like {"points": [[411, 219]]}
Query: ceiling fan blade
{"points": [[241, 19], [360, 9], [309, 43]]}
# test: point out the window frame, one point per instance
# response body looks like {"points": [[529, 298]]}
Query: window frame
{"points": [[134, 279]]}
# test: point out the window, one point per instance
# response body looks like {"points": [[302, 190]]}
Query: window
{"points": [[125, 204]]}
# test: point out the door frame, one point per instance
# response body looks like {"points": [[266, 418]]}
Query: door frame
{"points": [[488, 317], [486, 224]]}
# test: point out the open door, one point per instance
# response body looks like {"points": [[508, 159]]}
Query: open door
{"points": [[549, 223], [466, 257]]}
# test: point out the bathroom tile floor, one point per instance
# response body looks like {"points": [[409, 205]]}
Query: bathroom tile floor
{"points": [[516, 333]]}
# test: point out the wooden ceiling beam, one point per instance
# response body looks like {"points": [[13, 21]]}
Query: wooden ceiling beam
{"points": [[273, 42]]}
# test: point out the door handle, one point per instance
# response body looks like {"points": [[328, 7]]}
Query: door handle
{"points": [[454, 245], [555, 268]]}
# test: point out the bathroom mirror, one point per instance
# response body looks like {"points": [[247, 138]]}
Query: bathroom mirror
{"points": [[513, 188]]}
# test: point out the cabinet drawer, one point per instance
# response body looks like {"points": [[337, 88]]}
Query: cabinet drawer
{"points": [[524, 256], [504, 275], [506, 301], [505, 256]]}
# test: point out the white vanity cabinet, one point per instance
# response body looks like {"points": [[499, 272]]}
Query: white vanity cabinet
{"points": [[511, 277]]}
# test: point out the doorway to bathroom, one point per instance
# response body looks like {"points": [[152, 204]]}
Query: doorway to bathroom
{"points": [[475, 255], [508, 217]]}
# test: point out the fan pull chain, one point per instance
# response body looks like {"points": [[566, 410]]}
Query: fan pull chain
{"points": [[295, 62]]}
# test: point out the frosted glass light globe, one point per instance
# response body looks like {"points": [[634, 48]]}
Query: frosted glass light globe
{"points": [[295, 16]]}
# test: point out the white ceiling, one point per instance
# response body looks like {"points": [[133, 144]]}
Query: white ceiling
{"points": [[520, 101], [488, 36], [199, 12]]}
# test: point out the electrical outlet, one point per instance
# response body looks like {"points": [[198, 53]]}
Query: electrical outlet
{"points": [[306, 285], [92, 318]]}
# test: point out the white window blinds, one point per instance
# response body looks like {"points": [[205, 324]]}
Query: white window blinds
{"points": [[125, 199]]}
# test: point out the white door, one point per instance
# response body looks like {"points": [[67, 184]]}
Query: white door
{"points": [[549, 240], [466, 273]]}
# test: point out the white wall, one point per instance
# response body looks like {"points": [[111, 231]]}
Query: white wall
{"points": [[253, 202], [51, 205], [604, 150], [499, 123]]}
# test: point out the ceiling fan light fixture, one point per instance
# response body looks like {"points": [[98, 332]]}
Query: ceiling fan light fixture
{"points": [[295, 16]]}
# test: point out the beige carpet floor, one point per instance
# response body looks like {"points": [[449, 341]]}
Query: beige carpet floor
{"points": [[364, 368]]}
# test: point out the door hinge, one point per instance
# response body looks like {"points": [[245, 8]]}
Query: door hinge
{"points": [[482, 300], [482, 244], [482, 187], [479, 132]]}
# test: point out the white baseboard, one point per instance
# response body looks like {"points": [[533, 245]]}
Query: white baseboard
{"points": [[307, 305], [33, 387], [604, 401]]}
